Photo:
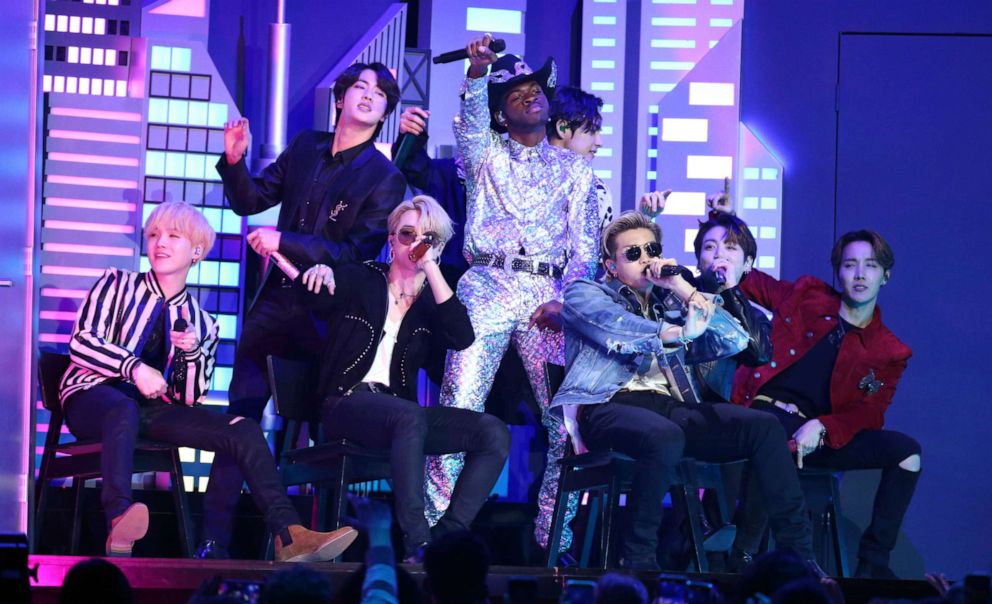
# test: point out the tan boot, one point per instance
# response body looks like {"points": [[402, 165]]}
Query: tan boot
{"points": [[126, 529], [311, 546]]}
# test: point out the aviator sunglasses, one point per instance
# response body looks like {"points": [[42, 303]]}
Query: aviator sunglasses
{"points": [[633, 253]]}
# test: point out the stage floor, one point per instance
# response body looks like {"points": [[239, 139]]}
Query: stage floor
{"points": [[162, 580]]}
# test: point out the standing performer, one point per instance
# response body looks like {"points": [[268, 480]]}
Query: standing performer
{"points": [[532, 224], [133, 375], [336, 190]]}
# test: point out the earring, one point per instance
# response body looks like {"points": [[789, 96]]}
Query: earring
{"points": [[390, 254], [501, 119]]}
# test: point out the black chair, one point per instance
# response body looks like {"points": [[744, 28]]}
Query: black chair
{"points": [[329, 466], [821, 487], [80, 460], [609, 473]]}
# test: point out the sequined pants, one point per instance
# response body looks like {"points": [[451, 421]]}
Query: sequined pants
{"points": [[468, 378]]}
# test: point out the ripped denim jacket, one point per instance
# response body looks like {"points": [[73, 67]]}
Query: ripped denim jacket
{"points": [[606, 338]]}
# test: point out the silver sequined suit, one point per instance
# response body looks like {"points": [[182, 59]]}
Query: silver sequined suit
{"points": [[539, 201]]}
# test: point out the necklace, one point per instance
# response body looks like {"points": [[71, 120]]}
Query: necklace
{"points": [[399, 294]]}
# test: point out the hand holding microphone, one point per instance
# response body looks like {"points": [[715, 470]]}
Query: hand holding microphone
{"points": [[182, 335]]}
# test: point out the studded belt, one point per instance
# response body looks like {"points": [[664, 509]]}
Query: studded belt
{"points": [[519, 264]]}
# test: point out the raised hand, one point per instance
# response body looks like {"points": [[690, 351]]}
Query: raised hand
{"points": [[319, 275], [237, 137], [653, 203], [480, 56], [413, 120], [721, 202]]}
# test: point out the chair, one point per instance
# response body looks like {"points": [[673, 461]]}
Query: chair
{"points": [[80, 460], [609, 472], [821, 487], [330, 466]]}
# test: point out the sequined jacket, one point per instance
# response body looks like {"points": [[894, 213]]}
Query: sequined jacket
{"points": [[357, 312], [539, 201], [869, 362], [606, 339]]}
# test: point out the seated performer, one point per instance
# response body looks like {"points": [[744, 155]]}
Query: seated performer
{"points": [[389, 319], [831, 378], [626, 387], [133, 375]]}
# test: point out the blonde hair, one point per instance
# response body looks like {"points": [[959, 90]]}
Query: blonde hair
{"points": [[627, 221], [432, 216], [187, 220]]}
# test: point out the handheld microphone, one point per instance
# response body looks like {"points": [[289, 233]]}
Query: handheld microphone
{"points": [[425, 244], [497, 45], [404, 150], [710, 282], [287, 267], [179, 358]]}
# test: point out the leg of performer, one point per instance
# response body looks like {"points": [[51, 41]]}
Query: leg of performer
{"points": [[468, 376], [536, 348]]}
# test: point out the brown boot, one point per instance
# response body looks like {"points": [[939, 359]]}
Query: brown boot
{"points": [[126, 529], [311, 546]]}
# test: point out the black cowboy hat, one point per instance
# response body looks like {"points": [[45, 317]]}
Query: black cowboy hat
{"points": [[510, 70]]}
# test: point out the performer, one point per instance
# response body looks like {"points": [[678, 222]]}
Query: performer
{"points": [[627, 389], [831, 378], [336, 190], [388, 319], [725, 252], [531, 224], [575, 124], [125, 381]]}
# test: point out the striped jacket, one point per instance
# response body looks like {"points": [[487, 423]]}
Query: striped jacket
{"points": [[112, 326]]}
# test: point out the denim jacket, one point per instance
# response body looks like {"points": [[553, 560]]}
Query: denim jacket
{"points": [[606, 338]]}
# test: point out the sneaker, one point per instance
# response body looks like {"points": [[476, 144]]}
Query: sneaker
{"points": [[127, 528], [311, 546]]}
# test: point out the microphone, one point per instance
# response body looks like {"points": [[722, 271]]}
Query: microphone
{"points": [[497, 45], [179, 358], [425, 244], [710, 282], [671, 270], [285, 265], [404, 150]]}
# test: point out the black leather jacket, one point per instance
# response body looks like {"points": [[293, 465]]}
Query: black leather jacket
{"points": [[356, 314], [716, 378]]}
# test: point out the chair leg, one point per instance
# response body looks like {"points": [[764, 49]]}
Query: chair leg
{"points": [[179, 502], [837, 533], [77, 513], [40, 509], [610, 509], [693, 510], [594, 505], [339, 503], [558, 518]]}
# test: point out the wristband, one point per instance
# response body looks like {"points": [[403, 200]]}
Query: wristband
{"points": [[683, 340]]}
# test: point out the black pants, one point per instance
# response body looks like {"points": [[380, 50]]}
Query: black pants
{"points": [[657, 430], [410, 432], [869, 449], [279, 324], [107, 413]]}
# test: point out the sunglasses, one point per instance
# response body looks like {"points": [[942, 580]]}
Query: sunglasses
{"points": [[407, 235], [633, 253]]}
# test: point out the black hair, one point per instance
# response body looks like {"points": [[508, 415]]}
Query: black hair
{"points": [[737, 232], [576, 107], [386, 82]]}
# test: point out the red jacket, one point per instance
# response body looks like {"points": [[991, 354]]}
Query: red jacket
{"points": [[806, 311]]}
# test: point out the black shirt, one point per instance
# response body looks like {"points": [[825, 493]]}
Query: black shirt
{"points": [[326, 172], [807, 383]]}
